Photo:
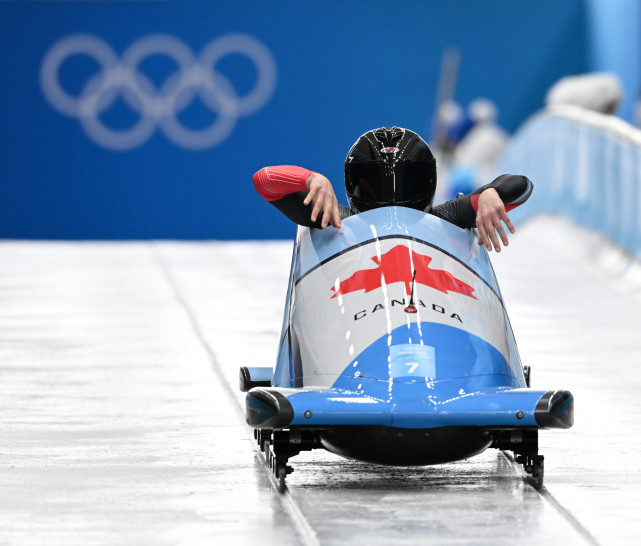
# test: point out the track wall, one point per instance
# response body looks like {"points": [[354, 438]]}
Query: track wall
{"points": [[584, 165]]}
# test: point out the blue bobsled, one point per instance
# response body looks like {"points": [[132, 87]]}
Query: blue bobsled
{"points": [[396, 349]]}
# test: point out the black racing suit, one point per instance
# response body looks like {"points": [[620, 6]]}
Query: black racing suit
{"points": [[512, 189]]}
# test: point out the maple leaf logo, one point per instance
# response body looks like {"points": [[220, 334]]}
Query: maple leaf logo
{"points": [[396, 266]]}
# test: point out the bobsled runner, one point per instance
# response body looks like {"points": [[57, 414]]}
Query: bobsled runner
{"points": [[396, 349]]}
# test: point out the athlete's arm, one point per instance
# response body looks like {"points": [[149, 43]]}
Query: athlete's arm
{"points": [[486, 207], [295, 190]]}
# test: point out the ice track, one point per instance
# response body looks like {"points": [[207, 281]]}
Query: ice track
{"points": [[121, 422]]}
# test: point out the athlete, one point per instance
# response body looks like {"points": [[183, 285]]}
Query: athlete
{"points": [[391, 167]]}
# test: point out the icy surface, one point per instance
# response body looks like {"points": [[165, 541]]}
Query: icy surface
{"points": [[574, 303], [113, 428], [121, 422]]}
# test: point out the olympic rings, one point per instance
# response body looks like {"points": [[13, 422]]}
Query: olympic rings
{"points": [[158, 107]]}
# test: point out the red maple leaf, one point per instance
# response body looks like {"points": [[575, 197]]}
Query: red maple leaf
{"points": [[395, 266]]}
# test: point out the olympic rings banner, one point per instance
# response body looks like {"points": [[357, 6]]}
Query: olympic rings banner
{"points": [[157, 108], [123, 119]]}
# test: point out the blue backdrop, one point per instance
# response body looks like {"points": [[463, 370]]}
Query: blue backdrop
{"points": [[104, 137]]}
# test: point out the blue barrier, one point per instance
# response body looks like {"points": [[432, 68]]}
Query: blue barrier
{"points": [[584, 165]]}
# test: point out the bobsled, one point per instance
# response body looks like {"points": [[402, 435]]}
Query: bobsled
{"points": [[396, 349]]}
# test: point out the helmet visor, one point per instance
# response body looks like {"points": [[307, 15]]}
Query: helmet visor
{"points": [[383, 184]]}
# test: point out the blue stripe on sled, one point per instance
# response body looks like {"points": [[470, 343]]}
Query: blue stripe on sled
{"points": [[450, 353]]}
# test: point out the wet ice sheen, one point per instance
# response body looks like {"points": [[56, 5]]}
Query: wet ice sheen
{"points": [[116, 430]]}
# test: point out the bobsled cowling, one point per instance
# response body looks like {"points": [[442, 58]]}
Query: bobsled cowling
{"points": [[346, 307], [396, 322]]}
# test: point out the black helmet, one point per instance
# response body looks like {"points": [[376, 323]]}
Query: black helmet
{"points": [[390, 166]]}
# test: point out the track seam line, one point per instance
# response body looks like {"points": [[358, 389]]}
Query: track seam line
{"points": [[563, 511], [301, 525]]}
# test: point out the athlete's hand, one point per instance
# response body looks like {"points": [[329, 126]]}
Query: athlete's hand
{"points": [[321, 196], [491, 211]]}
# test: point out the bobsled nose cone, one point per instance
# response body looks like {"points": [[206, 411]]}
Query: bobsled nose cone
{"points": [[267, 409], [555, 409]]}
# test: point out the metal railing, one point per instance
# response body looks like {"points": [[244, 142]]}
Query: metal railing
{"points": [[584, 165]]}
